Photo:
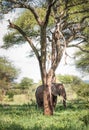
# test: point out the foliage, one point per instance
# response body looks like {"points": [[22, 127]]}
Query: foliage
{"points": [[12, 38], [26, 22], [82, 90], [8, 73], [82, 60], [77, 80], [65, 78], [28, 117], [69, 79], [26, 83]]}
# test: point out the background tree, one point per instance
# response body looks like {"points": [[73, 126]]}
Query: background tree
{"points": [[8, 73], [70, 20], [26, 83]]}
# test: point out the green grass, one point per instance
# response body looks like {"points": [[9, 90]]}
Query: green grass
{"points": [[28, 117]]}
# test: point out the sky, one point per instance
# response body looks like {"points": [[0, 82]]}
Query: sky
{"points": [[19, 56]]}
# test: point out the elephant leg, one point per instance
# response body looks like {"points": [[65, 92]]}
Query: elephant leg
{"points": [[39, 102], [64, 101], [54, 100]]}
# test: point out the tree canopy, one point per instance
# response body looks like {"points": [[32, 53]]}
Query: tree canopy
{"points": [[73, 16]]}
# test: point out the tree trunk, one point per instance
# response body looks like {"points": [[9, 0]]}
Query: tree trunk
{"points": [[46, 77], [48, 107], [47, 96]]}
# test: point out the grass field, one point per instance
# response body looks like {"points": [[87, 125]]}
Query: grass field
{"points": [[28, 117]]}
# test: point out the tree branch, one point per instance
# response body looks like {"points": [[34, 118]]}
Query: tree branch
{"points": [[51, 3], [19, 4], [11, 25], [57, 48], [84, 50], [82, 20], [50, 40], [73, 23]]}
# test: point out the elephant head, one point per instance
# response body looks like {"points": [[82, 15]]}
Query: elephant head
{"points": [[56, 89]]}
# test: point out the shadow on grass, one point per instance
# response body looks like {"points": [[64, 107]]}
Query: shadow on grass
{"points": [[20, 110], [19, 127], [52, 127], [31, 108], [73, 105]]}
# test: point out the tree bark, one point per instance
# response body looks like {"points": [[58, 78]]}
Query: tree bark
{"points": [[48, 107], [47, 96], [46, 78]]}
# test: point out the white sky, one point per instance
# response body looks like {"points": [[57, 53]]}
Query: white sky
{"points": [[29, 66]]}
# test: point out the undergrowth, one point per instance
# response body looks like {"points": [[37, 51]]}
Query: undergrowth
{"points": [[29, 117]]}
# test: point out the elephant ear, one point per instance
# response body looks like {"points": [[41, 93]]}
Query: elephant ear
{"points": [[54, 90]]}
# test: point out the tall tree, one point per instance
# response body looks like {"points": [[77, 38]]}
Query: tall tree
{"points": [[70, 18]]}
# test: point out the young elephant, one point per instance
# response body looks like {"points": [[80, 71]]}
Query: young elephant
{"points": [[56, 88]]}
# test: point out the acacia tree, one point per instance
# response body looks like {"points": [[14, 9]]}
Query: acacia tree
{"points": [[69, 21]]}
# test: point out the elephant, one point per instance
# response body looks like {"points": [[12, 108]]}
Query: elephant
{"points": [[56, 89]]}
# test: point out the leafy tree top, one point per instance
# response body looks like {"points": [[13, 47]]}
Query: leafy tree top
{"points": [[73, 16], [7, 70], [26, 83], [8, 73]]}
